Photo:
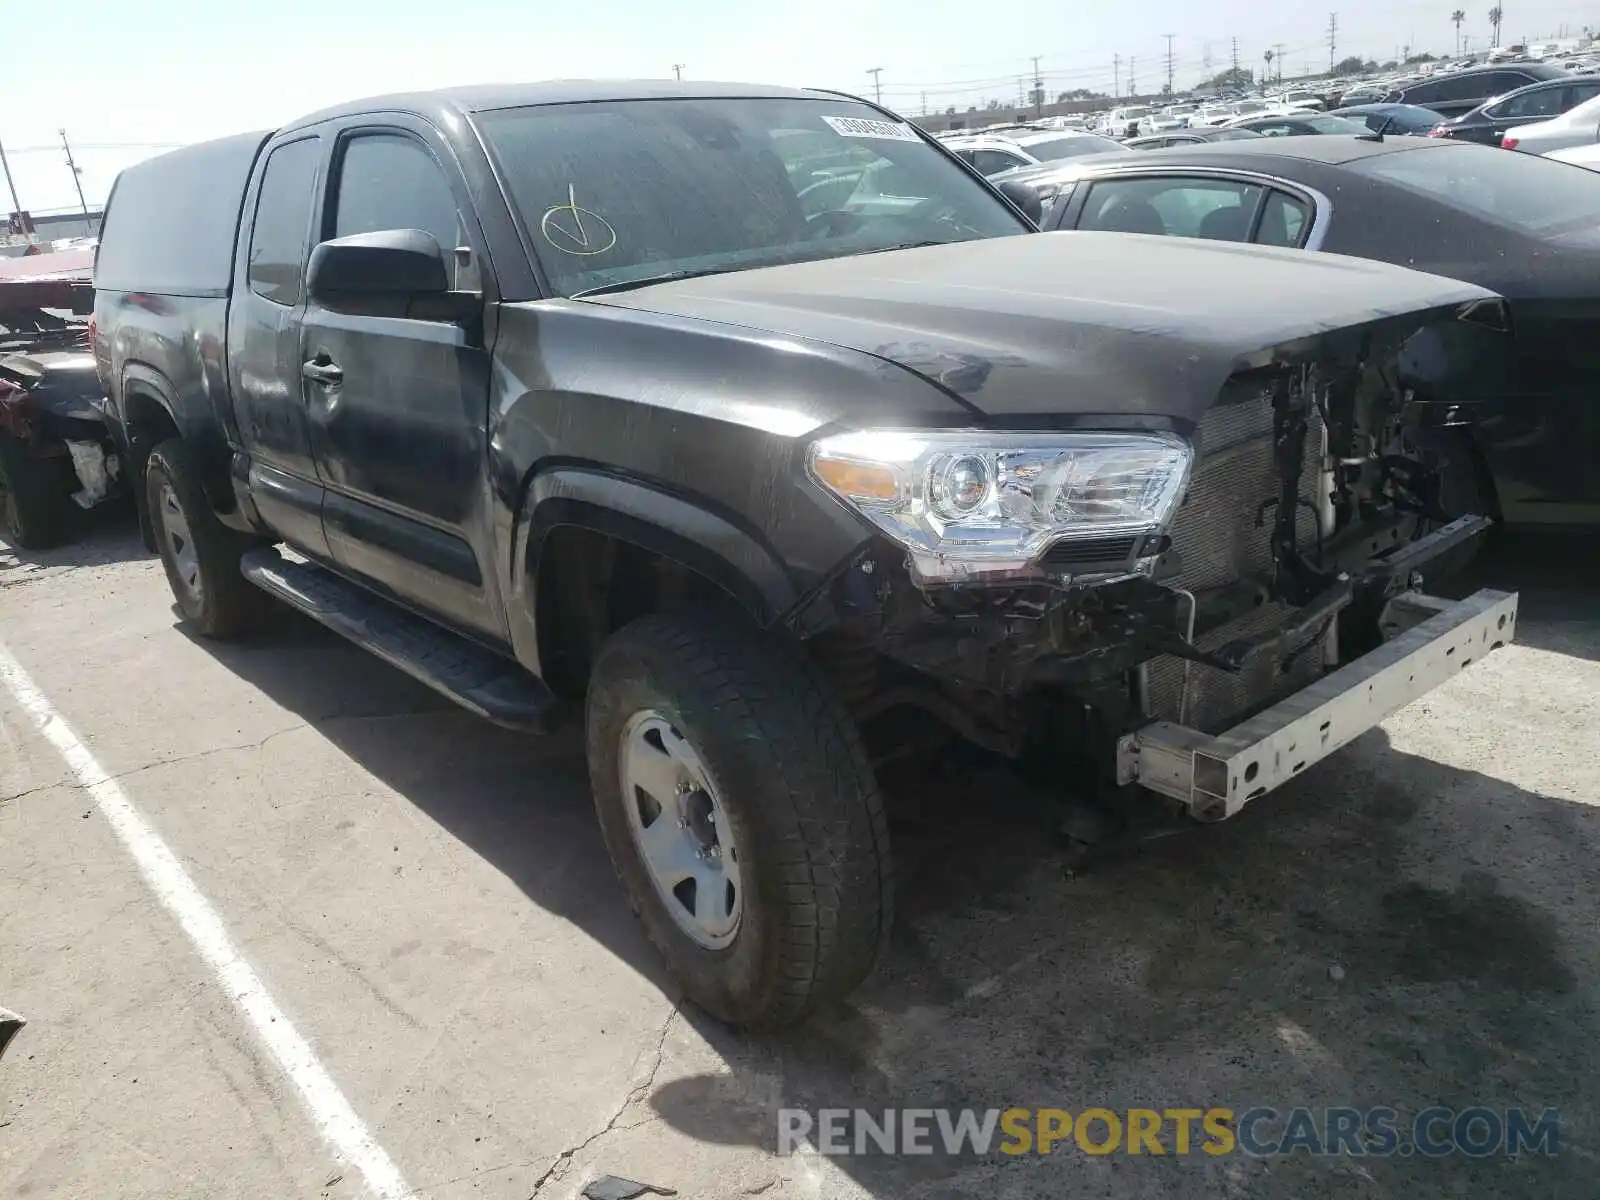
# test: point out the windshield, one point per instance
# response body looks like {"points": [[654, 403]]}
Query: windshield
{"points": [[1071, 146], [617, 192], [1523, 191]]}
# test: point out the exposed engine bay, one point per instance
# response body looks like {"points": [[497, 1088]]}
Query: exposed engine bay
{"points": [[1317, 495]]}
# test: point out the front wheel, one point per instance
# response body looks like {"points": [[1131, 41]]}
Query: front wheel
{"points": [[742, 817], [200, 553]]}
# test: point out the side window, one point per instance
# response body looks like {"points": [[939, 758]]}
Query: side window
{"points": [[1424, 93], [1217, 209], [282, 221], [1283, 221], [1580, 93], [1534, 106], [1275, 128], [390, 181], [992, 162]]}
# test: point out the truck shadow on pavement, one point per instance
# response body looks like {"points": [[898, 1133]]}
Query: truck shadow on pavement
{"points": [[1387, 930]]}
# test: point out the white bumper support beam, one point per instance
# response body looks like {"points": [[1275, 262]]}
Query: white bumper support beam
{"points": [[1217, 775]]}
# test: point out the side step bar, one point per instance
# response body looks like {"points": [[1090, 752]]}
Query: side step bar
{"points": [[475, 678], [1216, 776]]}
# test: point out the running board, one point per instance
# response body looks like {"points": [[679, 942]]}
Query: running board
{"points": [[478, 679]]}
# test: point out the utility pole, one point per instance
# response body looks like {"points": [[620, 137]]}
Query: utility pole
{"points": [[1038, 88], [77, 182], [1168, 36], [1133, 88], [924, 103], [877, 83], [1206, 59], [1236, 60], [16, 205], [1278, 58], [1333, 40], [1116, 76], [1022, 93], [677, 69]]}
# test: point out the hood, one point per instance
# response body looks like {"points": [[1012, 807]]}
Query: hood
{"points": [[1065, 323]]}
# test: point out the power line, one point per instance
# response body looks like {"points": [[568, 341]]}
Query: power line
{"points": [[77, 176]]}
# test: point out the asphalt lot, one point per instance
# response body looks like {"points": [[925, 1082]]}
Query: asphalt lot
{"points": [[427, 899]]}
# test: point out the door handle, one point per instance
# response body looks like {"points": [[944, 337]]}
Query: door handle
{"points": [[327, 373]]}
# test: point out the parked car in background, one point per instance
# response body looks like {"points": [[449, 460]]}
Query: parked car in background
{"points": [[1405, 119], [1295, 124], [1188, 137], [1523, 226], [1300, 99], [1489, 123], [1578, 126], [1462, 91], [1127, 120], [565, 403], [993, 153], [1578, 156]]}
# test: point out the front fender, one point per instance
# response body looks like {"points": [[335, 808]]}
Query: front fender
{"points": [[706, 542]]}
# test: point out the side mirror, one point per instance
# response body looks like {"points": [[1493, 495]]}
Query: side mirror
{"points": [[1024, 197], [389, 263]]}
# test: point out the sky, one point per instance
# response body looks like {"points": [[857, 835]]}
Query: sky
{"points": [[127, 80]]}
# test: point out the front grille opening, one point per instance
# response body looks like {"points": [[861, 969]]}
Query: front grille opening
{"points": [[1084, 551]]}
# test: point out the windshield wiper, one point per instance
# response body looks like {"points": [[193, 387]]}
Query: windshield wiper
{"points": [[624, 285]]}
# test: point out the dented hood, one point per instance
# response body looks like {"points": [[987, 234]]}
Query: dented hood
{"points": [[1067, 323]]}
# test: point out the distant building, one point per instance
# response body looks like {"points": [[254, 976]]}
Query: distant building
{"points": [[49, 227]]}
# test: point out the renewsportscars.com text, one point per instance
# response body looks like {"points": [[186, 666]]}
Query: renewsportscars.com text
{"points": [[1259, 1132]]}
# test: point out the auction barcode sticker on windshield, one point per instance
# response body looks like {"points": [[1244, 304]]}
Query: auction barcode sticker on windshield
{"points": [[862, 127]]}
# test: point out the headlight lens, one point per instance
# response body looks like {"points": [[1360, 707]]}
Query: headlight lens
{"points": [[972, 502]]}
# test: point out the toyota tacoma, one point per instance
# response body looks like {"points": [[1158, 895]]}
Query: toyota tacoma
{"points": [[745, 421]]}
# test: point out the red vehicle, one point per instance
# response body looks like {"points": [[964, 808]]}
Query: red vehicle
{"points": [[56, 457]]}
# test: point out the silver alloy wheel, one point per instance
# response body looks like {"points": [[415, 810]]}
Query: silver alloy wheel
{"points": [[185, 559], [680, 829]]}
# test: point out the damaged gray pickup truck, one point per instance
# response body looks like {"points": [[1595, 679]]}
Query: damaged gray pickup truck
{"points": [[751, 421]]}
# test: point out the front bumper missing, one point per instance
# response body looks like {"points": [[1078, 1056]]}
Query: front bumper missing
{"points": [[1217, 775]]}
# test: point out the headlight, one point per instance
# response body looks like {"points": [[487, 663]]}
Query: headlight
{"points": [[971, 502]]}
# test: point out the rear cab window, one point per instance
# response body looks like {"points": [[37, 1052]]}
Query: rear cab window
{"points": [[282, 223]]}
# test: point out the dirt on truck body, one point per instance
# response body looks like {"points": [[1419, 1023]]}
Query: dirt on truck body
{"points": [[624, 399]]}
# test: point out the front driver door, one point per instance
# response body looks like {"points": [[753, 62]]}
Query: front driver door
{"points": [[399, 406]]}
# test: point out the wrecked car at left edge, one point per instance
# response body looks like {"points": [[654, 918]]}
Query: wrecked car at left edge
{"points": [[57, 459]]}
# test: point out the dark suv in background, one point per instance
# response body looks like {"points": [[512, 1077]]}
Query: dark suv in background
{"points": [[1462, 91], [1488, 123]]}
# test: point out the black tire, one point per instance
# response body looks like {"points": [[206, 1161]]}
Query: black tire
{"points": [[224, 604], [800, 797], [36, 509]]}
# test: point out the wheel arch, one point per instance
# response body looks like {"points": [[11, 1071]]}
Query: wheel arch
{"points": [[640, 526]]}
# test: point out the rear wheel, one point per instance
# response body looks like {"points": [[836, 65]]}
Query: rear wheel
{"points": [[741, 814], [35, 497], [200, 554]]}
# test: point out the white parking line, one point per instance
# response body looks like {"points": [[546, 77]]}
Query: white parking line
{"points": [[351, 1141]]}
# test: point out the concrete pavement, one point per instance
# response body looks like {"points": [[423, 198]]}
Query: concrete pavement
{"points": [[428, 900]]}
